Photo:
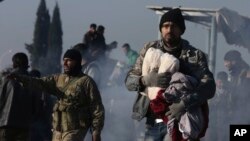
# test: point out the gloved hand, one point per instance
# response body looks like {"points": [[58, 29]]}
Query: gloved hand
{"points": [[176, 110], [156, 79]]}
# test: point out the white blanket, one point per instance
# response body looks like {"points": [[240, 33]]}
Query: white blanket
{"points": [[163, 62]]}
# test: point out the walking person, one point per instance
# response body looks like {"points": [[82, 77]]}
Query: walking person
{"points": [[16, 102], [192, 62], [220, 109], [239, 77], [90, 35], [130, 53], [79, 106]]}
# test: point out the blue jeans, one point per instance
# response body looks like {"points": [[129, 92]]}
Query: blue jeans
{"points": [[156, 132]]}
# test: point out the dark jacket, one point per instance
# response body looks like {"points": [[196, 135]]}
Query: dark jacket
{"points": [[16, 107], [240, 91], [192, 62], [89, 37]]}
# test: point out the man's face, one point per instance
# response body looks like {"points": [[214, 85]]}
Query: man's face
{"points": [[125, 50], [68, 65], [170, 33], [229, 65], [219, 83], [92, 29]]}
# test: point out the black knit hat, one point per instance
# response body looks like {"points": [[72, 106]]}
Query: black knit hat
{"points": [[126, 45], [232, 55], [175, 16], [20, 59], [74, 55]]}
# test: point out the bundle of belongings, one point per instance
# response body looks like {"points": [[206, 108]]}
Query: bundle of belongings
{"points": [[192, 123]]}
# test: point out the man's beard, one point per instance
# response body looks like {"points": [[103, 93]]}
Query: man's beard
{"points": [[73, 71], [172, 40], [234, 70]]}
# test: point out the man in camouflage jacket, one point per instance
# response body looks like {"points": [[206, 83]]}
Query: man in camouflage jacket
{"points": [[192, 62], [79, 106]]}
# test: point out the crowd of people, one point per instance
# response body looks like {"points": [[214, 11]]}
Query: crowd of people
{"points": [[175, 92], [230, 104], [64, 106]]}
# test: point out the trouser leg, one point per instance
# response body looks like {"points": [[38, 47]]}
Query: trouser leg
{"points": [[14, 134], [156, 132]]}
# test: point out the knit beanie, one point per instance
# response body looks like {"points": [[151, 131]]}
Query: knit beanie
{"points": [[20, 59], [175, 16], [232, 55], [74, 55]]}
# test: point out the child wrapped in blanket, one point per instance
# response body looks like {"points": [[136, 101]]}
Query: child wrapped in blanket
{"points": [[191, 123]]}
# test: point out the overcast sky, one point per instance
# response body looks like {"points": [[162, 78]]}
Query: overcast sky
{"points": [[125, 21]]}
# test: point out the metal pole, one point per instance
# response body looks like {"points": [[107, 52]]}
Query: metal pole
{"points": [[212, 57], [159, 32], [208, 42]]}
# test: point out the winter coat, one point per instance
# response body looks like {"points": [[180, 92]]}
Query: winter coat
{"points": [[16, 103], [192, 62]]}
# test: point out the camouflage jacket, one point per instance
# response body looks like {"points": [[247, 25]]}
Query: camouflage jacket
{"points": [[192, 62], [79, 104]]}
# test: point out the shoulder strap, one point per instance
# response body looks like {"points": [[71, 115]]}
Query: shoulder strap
{"points": [[65, 87]]}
